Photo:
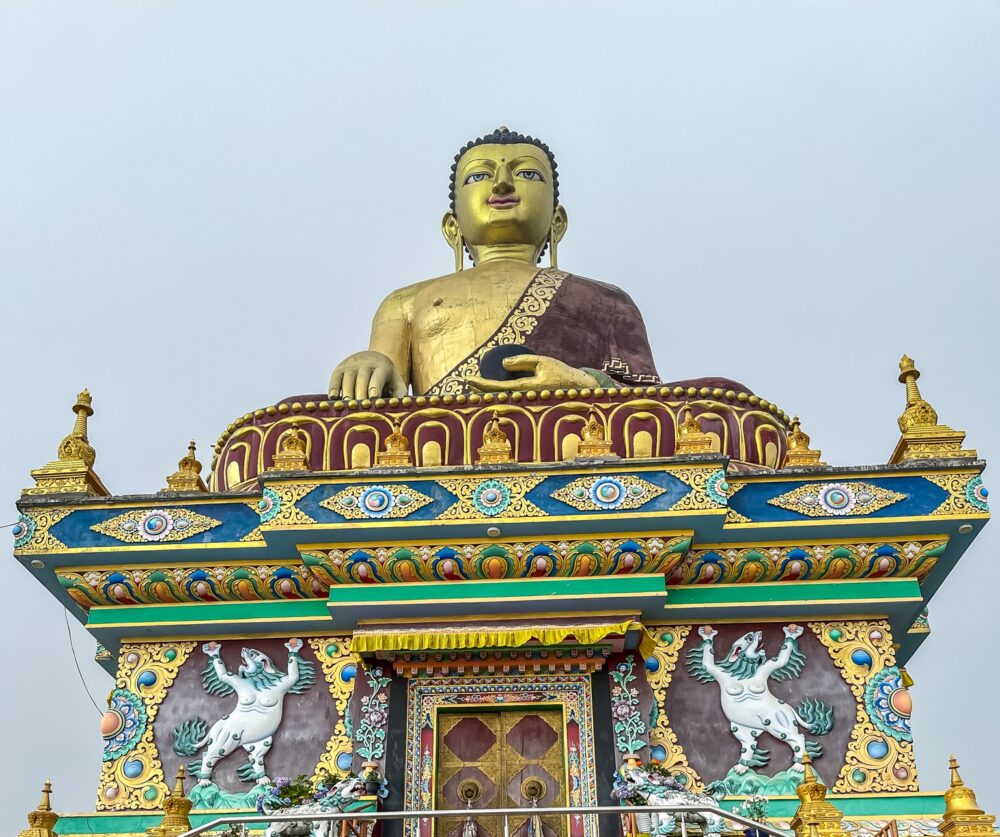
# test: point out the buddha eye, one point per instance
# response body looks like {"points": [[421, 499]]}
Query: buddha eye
{"points": [[531, 174], [477, 177]]}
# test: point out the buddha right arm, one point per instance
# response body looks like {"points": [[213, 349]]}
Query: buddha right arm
{"points": [[382, 370]]}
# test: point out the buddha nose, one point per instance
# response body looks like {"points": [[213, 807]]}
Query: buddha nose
{"points": [[504, 182]]}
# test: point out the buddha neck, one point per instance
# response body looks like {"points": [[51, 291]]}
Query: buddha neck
{"points": [[483, 254]]}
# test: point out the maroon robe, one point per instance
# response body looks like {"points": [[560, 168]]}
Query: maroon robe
{"points": [[586, 324]]}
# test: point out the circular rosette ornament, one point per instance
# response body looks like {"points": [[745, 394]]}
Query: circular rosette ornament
{"points": [[717, 487], [123, 724], [491, 498], [977, 493], [889, 704], [836, 498], [155, 525], [376, 501], [607, 493], [269, 505], [23, 531]]}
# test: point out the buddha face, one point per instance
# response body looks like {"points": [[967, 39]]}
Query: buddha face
{"points": [[504, 195]]}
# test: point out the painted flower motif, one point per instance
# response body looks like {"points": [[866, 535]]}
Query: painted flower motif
{"points": [[717, 487], [491, 497], [889, 704], [269, 505], [23, 531], [376, 501], [155, 525], [837, 499], [977, 493], [607, 493], [123, 724], [622, 711]]}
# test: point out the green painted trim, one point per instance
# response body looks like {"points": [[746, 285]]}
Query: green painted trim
{"points": [[874, 806], [117, 616], [598, 586], [129, 822], [799, 592]]}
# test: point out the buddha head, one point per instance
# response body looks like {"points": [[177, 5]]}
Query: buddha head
{"points": [[504, 199]]}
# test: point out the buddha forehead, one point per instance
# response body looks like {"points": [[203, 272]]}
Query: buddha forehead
{"points": [[498, 154]]}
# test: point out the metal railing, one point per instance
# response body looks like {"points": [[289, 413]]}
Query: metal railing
{"points": [[681, 811]]}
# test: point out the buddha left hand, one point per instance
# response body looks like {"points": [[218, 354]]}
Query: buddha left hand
{"points": [[546, 373]]}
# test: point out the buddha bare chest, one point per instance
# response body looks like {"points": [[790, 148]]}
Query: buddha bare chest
{"points": [[464, 309]]}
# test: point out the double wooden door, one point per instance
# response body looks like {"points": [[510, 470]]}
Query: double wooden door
{"points": [[500, 759]]}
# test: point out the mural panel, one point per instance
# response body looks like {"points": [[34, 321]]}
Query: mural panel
{"points": [[235, 713]]}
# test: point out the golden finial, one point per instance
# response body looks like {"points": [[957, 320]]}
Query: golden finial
{"points": [[71, 472], [799, 453], [176, 808], [187, 477], [962, 814], [42, 820], [496, 446], [690, 437], [922, 436], [292, 452], [815, 811], [397, 450], [594, 437]]}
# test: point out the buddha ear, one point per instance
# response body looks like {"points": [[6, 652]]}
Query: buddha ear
{"points": [[453, 235], [559, 224], [557, 229]]}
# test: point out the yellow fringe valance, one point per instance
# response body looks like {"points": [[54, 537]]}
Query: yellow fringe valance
{"points": [[493, 637]]}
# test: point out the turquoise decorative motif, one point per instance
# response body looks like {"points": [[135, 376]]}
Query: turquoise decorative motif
{"points": [[156, 525], [717, 487], [607, 493], [491, 497], [977, 493], [269, 505], [888, 703], [375, 502], [23, 531], [836, 499], [124, 724]]}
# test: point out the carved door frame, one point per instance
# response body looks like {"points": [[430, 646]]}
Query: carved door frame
{"points": [[570, 692]]}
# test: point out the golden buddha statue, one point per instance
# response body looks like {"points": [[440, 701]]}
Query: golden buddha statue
{"points": [[553, 329]]}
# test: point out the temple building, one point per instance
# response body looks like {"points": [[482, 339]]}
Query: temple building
{"points": [[499, 562]]}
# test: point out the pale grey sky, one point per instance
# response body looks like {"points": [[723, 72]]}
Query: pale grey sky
{"points": [[201, 205]]}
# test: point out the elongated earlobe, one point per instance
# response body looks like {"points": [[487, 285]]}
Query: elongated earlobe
{"points": [[557, 230], [453, 235]]}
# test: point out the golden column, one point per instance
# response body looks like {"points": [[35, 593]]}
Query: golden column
{"points": [[815, 816], [962, 814]]}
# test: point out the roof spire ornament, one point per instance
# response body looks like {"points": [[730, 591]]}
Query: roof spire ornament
{"points": [[397, 450], [176, 808], [922, 437], [293, 450], [815, 814], [594, 437], [42, 819], [187, 477], [72, 471], [799, 453], [496, 446], [690, 437], [962, 814]]}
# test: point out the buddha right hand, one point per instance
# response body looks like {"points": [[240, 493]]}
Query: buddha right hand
{"points": [[366, 375]]}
